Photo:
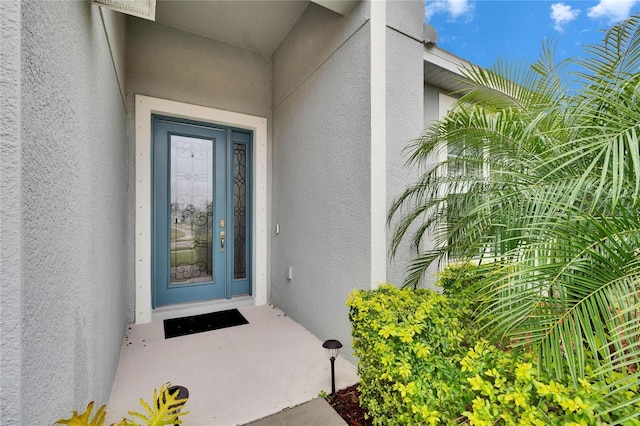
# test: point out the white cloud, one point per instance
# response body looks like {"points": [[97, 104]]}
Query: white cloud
{"points": [[454, 8], [562, 14], [613, 10]]}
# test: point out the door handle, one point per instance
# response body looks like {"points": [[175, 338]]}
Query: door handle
{"points": [[222, 238]]}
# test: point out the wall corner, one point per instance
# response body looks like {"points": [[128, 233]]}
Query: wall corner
{"points": [[378, 142], [11, 213]]}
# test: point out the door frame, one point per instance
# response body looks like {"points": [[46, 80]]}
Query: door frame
{"points": [[145, 106]]}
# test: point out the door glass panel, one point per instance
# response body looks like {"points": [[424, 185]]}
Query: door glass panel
{"points": [[239, 210], [191, 176]]}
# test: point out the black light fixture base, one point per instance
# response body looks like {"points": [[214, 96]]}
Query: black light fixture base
{"points": [[333, 346]]}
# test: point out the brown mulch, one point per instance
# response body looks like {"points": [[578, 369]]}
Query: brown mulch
{"points": [[346, 402]]}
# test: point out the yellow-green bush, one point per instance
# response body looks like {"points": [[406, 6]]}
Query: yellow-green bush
{"points": [[458, 278], [508, 390], [421, 363], [459, 283], [409, 344]]}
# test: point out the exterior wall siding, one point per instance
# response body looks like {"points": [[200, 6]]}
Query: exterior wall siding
{"points": [[72, 177], [431, 105], [321, 169], [10, 215], [168, 63], [315, 37], [405, 115]]}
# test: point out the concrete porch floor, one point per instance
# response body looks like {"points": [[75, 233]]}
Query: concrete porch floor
{"points": [[234, 375]]}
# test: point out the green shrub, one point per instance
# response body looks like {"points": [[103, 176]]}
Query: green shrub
{"points": [[507, 390], [421, 363], [409, 344], [459, 278], [458, 282]]}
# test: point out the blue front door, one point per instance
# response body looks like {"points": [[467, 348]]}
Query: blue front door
{"points": [[201, 206]]}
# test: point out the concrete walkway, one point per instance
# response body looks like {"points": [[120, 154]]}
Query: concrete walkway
{"points": [[234, 375], [316, 412]]}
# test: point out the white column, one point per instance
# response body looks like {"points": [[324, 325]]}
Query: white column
{"points": [[378, 143]]}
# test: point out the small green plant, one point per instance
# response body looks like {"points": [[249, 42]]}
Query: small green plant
{"points": [[85, 419], [324, 396], [164, 411]]}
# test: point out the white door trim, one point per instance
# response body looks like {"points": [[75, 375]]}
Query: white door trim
{"points": [[144, 107]]}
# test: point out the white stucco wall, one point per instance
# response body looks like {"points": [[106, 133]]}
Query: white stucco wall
{"points": [[431, 104], [168, 63], [65, 190], [405, 112], [10, 215], [321, 169], [315, 37]]}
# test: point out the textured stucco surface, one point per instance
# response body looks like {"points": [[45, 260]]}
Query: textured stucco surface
{"points": [[321, 176], [431, 105], [405, 115], [318, 33], [406, 16], [10, 215], [72, 246], [168, 63]]}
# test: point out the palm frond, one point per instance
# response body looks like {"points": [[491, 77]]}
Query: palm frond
{"points": [[543, 183]]}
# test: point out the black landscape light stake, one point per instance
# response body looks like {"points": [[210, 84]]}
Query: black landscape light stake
{"points": [[183, 393], [333, 346]]}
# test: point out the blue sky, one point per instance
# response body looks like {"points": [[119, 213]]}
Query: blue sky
{"points": [[480, 31]]}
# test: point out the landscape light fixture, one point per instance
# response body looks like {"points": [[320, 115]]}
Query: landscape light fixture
{"points": [[333, 346]]}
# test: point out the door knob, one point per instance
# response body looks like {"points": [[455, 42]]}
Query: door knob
{"points": [[222, 237]]}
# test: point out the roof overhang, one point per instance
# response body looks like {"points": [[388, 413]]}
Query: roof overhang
{"points": [[443, 69], [339, 6], [257, 25]]}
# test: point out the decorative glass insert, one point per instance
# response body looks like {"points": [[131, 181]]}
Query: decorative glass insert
{"points": [[240, 210], [191, 231]]}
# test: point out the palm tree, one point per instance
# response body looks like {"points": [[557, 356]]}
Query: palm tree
{"points": [[541, 184]]}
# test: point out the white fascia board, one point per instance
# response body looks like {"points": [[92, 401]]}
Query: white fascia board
{"points": [[141, 8], [339, 6], [443, 59]]}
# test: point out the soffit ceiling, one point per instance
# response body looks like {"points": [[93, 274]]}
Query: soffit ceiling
{"points": [[443, 69], [257, 25], [260, 26]]}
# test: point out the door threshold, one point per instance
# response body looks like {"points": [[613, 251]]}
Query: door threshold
{"points": [[197, 308]]}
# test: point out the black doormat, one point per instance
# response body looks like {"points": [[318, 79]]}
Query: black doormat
{"points": [[206, 322]]}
